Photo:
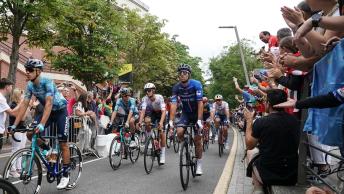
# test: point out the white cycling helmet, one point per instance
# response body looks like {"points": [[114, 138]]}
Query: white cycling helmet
{"points": [[149, 86], [218, 97]]}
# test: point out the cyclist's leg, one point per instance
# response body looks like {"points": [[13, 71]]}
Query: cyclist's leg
{"points": [[148, 121], [217, 127], [197, 139], [60, 119], [183, 120]]}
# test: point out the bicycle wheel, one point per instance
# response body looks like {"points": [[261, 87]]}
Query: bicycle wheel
{"points": [[184, 165], [193, 160], [149, 155], [175, 142], [75, 165], [134, 152], [19, 162], [220, 142], [116, 152], [7, 187]]}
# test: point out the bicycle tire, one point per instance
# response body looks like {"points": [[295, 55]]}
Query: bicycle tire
{"points": [[116, 153], [184, 154], [134, 152], [193, 160], [168, 140], [220, 142], [76, 163], [149, 155], [143, 139], [7, 187], [25, 152], [176, 143]]}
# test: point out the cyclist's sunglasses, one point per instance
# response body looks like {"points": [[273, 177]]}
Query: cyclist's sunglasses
{"points": [[149, 90], [125, 95], [29, 69], [218, 100], [183, 73]]}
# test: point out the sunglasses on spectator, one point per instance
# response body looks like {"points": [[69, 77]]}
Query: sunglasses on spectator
{"points": [[29, 69], [183, 73]]}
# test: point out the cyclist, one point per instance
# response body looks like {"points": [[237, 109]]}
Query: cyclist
{"points": [[220, 114], [190, 92], [154, 111], [206, 115], [55, 111], [126, 109]]}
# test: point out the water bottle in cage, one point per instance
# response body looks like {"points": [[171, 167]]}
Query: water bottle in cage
{"points": [[127, 137]]}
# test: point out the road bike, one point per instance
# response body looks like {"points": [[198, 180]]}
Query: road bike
{"points": [[187, 157], [152, 149], [28, 163], [122, 146]]}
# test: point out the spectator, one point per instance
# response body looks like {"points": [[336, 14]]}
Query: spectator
{"points": [[5, 90], [275, 159], [282, 33], [269, 39], [70, 93]]}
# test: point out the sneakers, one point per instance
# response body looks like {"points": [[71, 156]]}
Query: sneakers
{"points": [[14, 174], [63, 183], [162, 157], [199, 171]]}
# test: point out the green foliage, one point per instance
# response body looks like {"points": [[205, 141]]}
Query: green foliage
{"points": [[92, 37], [228, 65]]}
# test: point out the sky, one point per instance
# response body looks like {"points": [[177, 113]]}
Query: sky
{"points": [[196, 22]]}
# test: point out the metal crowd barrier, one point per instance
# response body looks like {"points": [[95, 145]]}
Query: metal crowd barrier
{"points": [[81, 133]]}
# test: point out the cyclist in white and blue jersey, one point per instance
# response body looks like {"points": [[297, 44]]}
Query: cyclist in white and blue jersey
{"points": [[190, 93], [55, 111]]}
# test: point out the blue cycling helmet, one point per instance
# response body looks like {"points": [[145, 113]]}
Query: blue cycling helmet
{"points": [[184, 67], [34, 63], [124, 91]]}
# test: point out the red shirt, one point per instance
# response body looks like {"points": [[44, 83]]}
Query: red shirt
{"points": [[273, 41], [70, 105]]}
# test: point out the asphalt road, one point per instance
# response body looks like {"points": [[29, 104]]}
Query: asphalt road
{"points": [[99, 178]]}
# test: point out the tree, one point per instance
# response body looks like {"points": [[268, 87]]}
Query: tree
{"points": [[228, 65], [185, 58], [17, 17], [152, 54], [91, 37]]}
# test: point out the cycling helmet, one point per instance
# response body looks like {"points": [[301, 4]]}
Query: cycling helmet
{"points": [[205, 99], [124, 91], [218, 97], [34, 63], [149, 86], [184, 67]]}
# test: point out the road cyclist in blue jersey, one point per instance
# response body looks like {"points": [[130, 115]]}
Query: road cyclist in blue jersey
{"points": [[55, 113], [125, 110], [190, 93]]}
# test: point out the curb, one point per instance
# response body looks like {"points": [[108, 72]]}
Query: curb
{"points": [[223, 184]]}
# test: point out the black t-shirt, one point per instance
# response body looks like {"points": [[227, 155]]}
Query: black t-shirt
{"points": [[278, 136]]}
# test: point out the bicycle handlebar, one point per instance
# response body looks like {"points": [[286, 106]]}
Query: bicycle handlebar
{"points": [[30, 127]]}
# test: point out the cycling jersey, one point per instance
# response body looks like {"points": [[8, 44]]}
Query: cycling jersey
{"points": [[189, 95], [206, 111], [220, 109], [46, 88], [157, 105], [123, 108]]}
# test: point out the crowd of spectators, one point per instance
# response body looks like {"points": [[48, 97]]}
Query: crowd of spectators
{"points": [[303, 68]]}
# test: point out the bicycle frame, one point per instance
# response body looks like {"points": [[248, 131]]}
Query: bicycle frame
{"points": [[54, 170]]}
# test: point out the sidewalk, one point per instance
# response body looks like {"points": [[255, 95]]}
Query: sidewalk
{"points": [[240, 184]]}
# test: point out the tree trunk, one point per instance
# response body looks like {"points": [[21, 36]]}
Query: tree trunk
{"points": [[14, 58]]}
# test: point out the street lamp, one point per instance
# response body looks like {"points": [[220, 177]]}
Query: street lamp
{"points": [[241, 53]]}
